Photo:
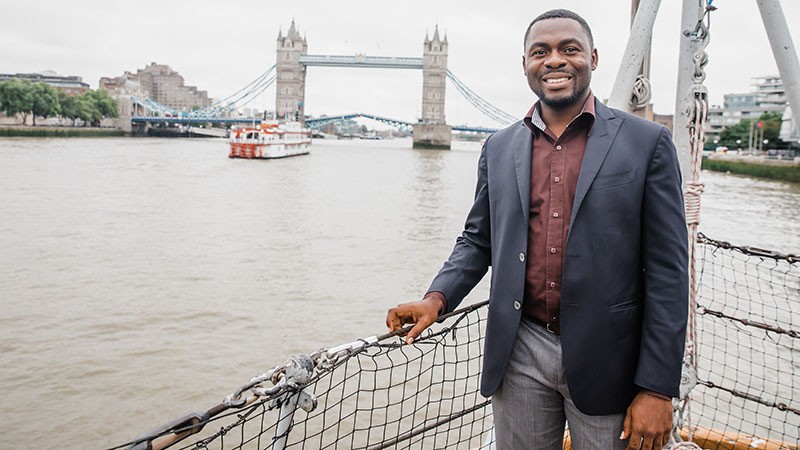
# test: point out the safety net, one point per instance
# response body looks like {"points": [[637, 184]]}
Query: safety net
{"points": [[742, 390]]}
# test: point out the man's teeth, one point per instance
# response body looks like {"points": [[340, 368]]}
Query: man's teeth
{"points": [[556, 80]]}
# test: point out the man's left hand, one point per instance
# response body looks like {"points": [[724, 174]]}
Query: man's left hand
{"points": [[648, 422]]}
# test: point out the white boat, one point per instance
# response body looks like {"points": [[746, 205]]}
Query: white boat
{"points": [[270, 140]]}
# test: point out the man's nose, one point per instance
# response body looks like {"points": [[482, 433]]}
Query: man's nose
{"points": [[555, 61]]}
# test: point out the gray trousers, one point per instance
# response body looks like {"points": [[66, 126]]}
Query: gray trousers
{"points": [[533, 401]]}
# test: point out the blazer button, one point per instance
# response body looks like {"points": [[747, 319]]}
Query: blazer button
{"points": [[522, 257], [517, 305]]}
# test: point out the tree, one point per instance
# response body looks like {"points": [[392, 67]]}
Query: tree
{"points": [[105, 105], [90, 107], [740, 132], [45, 101], [770, 127], [86, 110], [17, 97], [69, 106]]}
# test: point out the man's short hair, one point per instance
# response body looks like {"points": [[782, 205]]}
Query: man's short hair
{"points": [[560, 14]]}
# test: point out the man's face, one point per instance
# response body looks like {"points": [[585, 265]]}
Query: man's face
{"points": [[558, 62]]}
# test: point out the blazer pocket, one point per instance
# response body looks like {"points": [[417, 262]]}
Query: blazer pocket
{"points": [[625, 305], [625, 321], [612, 180]]}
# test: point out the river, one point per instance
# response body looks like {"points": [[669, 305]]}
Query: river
{"points": [[141, 279]]}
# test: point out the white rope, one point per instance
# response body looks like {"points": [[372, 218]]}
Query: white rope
{"points": [[698, 113], [642, 93], [685, 445], [694, 187]]}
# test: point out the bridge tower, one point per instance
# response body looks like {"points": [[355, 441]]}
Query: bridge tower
{"points": [[290, 75], [433, 132]]}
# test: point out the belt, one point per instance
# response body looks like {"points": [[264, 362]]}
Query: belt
{"points": [[539, 323]]}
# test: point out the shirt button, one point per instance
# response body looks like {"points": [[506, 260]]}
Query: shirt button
{"points": [[556, 179], [552, 284], [558, 147], [517, 305], [522, 257], [552, 249], [555, 214]]}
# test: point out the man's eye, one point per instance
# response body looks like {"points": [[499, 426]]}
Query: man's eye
{"points": [[570, 50], [538, 53]]}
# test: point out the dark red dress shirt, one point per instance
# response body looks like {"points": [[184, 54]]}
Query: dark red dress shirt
{"points": [[555, 165]]}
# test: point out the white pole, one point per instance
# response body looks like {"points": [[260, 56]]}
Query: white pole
{"points": [[784, 51], [692, 13], [638, 43], [285, 418]]}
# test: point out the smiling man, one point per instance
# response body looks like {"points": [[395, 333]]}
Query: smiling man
{"points": [[579, 211]]}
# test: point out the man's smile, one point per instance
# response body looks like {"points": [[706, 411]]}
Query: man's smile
{"points": [[556, 80]]}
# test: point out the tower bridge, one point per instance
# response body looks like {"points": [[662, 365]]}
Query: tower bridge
{"points": [[292, 61], [289, 76]]}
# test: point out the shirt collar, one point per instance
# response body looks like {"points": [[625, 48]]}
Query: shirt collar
{"points": [[533, 119]]}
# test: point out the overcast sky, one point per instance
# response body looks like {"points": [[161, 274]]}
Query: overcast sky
{"points": [[221, 46]]}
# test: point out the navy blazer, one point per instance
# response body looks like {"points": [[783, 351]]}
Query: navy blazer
{"points": [[624, 299]]}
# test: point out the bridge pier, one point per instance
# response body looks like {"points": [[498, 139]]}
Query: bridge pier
{"points": [[432, 136]]}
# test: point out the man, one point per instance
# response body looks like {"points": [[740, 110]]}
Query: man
{"points": [[578, 210]]}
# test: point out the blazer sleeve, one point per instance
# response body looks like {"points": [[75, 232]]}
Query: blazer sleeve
{"points": [[471, 255], [665, 264]]}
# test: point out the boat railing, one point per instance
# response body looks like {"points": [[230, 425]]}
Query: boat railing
{"points": [[377, 392]]}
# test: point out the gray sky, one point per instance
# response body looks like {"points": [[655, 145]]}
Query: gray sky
{"points": [[221, 46]]}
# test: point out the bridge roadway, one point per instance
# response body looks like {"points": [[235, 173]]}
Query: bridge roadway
{"points": [[311, 123], [360, 60]]}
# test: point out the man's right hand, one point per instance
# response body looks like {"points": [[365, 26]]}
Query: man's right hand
{"points": [[421, 313]]}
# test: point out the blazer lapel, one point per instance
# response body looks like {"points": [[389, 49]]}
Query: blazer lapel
{"points": [[521, 146], [599, 143]]}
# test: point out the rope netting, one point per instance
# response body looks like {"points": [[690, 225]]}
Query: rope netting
{"points": [[747, 348], [374, 393], [379, 393]]}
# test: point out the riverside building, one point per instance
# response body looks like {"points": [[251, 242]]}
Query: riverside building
{"points": [[767, 95], [70, 85], [160, 83]]}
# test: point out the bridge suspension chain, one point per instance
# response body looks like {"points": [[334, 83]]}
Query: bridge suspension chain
{"points": [[240, 98], [252, 90], [482, 105], [244, 98]]}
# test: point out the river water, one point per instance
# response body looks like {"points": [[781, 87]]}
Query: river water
{"points": [[141, 279]]}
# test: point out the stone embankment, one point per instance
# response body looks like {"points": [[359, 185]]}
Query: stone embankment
{"points": [[50, 131], [763, 166]]}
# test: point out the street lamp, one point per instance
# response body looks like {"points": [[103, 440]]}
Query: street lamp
{"points": [[738, 146]]}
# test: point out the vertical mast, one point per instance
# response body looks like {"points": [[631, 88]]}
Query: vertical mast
{"points": [[635, 50], [784, 51], [684, 101]]}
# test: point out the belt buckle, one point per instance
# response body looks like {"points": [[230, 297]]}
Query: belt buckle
{"points": [[549, 330]]}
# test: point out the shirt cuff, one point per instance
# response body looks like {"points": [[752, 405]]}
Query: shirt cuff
{"points": [[438, 296]]}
